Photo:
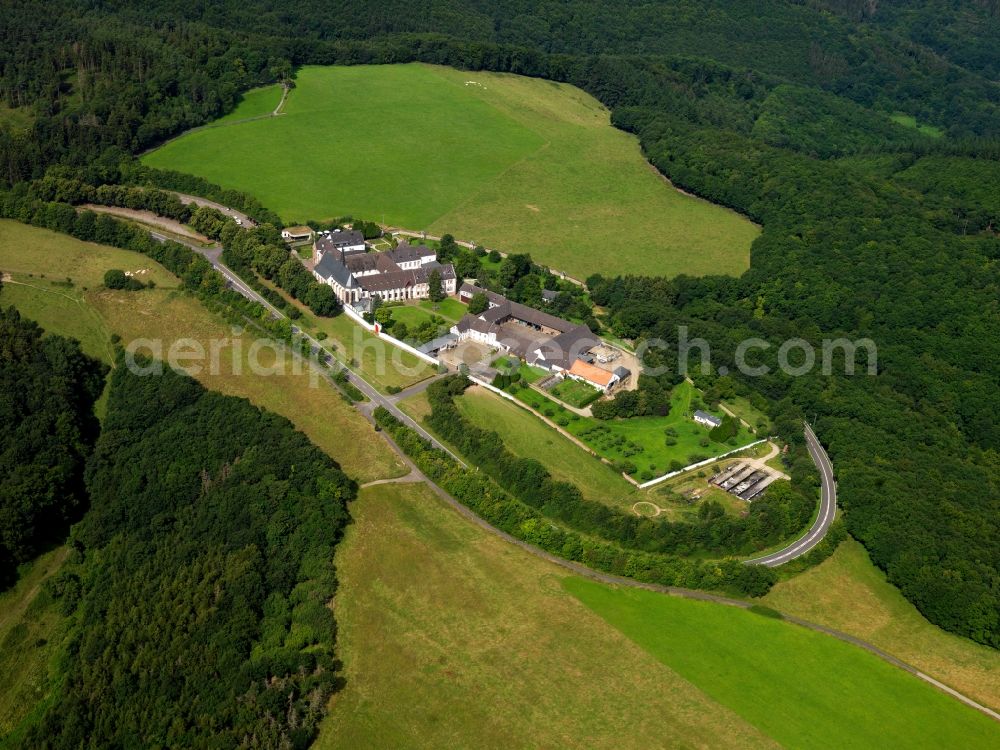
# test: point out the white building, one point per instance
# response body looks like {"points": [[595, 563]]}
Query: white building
{"points": [[702, 417], [296, 234], [400, 274]]}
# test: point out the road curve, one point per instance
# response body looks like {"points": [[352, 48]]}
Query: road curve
{"points": [[815, 449], [827, 509], [214, 256]]}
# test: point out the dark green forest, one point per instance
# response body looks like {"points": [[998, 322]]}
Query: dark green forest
{"points": [[47, 429], [779, 109], [200, 578]]}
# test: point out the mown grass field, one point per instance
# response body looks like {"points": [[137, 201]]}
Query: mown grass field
{"points": [[453, 638], [849, 593], [575, 393], [167, 315], [527, 436], [802, 688], [521, 164]]}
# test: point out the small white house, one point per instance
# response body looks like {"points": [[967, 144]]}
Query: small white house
{"points": [[297, 234], [702, 417]]}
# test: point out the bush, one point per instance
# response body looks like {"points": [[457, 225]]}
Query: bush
{"points": [[118, 279]]}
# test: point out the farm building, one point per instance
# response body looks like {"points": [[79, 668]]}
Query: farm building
{"points": [[537, 337], [593, 375], [296, 234], [702, 417], [344, 240]]}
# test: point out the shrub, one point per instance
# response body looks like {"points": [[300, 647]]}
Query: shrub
{"points": [[118, 279]]}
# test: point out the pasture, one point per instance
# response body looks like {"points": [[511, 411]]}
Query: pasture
{"points": [[166, 315], [802, 688], [849, 593], [451, 637], [520, 164], [528, 437]]}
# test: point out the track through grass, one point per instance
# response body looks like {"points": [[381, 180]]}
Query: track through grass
{"points": [[522, 164]]}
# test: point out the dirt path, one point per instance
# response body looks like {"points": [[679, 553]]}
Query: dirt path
{"points": [[412, 478], [281, 105], [150, 219]]}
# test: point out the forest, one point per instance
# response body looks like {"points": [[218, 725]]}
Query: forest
{"points": [[792, 113], [199, 579], [47, 429]]}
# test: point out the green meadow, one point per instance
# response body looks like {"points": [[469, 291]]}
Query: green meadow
{"points": [[521, 164], [656, 445], [802, 688], [527, 436]]}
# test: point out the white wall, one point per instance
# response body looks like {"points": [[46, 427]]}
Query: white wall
{"points": [[350, 313]]}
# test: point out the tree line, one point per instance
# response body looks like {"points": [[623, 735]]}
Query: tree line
{"points": [[48, 388], [779, 513], [500, 508], [198, 586]]}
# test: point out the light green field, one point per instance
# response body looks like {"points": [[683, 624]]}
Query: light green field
{"points": [[166, 315], [452, 638], [521, 164], [849, 593], [448, 308], [60, 309], [16, 118], [802, 688], [527, 436], [256, 103], [619, 439], [575, 393], [910, 121], [29, 625]]}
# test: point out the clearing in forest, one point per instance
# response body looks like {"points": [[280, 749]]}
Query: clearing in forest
{"points": [[521, 164]]}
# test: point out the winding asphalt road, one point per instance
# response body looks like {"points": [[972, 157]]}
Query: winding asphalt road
{"points": [[816, 533], [827, 509], [214, 256]]}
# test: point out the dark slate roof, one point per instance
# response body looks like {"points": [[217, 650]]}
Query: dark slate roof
{"points": [[622, 372], [382, 282], [493, 297], [568, 346], [405, 253], [330, 267], [711, 418], [548, 295], [472, 323], [447, 270], [337, 240], [360, 262]]}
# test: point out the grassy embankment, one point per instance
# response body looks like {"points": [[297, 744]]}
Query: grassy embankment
{"points": [[802, 688], [849, 593], [521, 164], [167, 315], [502, 653]]}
